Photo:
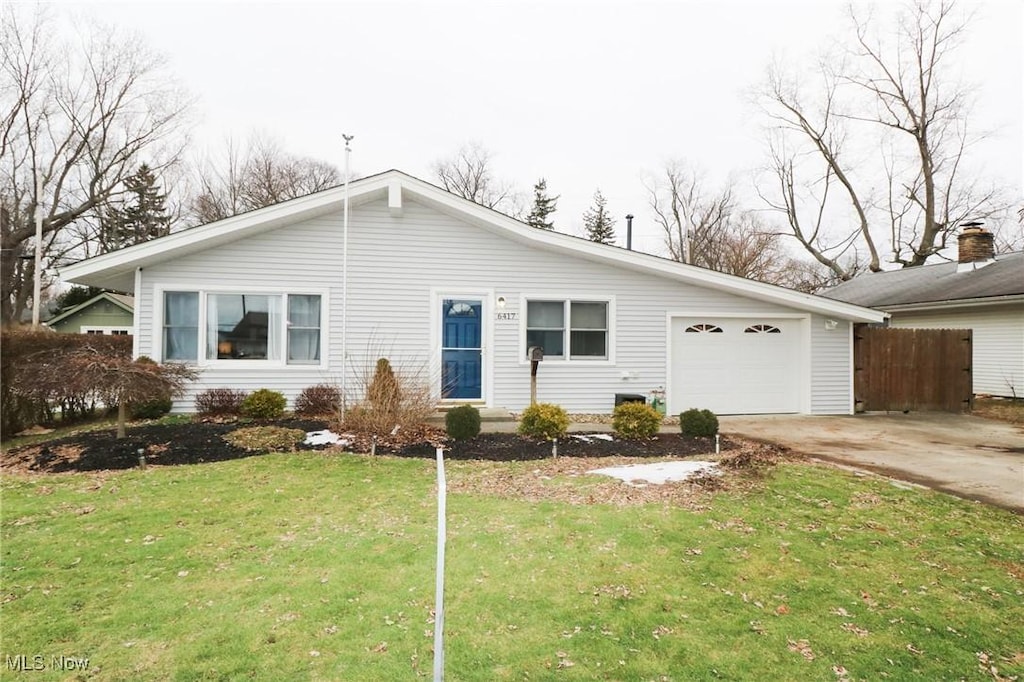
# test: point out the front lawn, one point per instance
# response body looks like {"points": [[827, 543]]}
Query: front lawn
{"points": [[319, 566]]}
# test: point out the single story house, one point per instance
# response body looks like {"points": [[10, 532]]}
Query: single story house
{"points": [[306, 292], [105, 313], [982, 291]]}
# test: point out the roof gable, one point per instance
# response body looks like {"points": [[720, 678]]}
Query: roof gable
{"points": [[116, 270], [126, 303]]}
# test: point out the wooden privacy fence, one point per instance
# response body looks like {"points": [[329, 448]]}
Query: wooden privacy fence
{"points": [[912, 369]]}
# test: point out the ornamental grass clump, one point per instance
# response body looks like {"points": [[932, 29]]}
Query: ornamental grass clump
{"points": [[263, 404], [462, 422], [543, 420], [636, 420], [698, 423]]}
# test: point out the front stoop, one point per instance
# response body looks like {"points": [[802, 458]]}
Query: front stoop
{"points": [[487, 415]]}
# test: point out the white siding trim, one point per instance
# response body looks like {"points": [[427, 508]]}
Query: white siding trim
{"points": [[107, 330], [136, 313]]}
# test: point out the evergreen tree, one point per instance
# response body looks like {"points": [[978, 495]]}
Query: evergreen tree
{"points": [[142, 217], [543, 206], [599, 225]]}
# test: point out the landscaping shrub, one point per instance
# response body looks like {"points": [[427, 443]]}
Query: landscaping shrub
{"points": [[35, 368], [543, 420], [318, 400], [220, 402], [636, 420], [151, 409], [696, 422], [384, 397], [383, 392], [266, 438], [462, 422], [263, 404]]}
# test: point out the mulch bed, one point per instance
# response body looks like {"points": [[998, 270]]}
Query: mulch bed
{"points": [[197, 442]]}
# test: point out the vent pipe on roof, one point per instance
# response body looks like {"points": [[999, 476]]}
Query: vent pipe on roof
{"points": [[629, 231]]}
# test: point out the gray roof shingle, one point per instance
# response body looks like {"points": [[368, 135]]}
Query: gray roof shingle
{"points": [[934, 283]]}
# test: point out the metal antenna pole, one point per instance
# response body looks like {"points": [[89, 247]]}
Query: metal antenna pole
{"points": [[37, 282], [344, 276]]}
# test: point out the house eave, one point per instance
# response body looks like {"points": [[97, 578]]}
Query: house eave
{"points": [[983, 302], [115, 270]]}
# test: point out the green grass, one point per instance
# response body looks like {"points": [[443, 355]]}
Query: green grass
{"points": [[321, 567]]}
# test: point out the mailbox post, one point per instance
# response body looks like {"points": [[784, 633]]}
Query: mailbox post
{"points": [[536, 354]]}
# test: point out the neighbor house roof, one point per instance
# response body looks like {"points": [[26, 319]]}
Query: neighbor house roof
{"points": [[126, 303], [117, 270], [940, 285]]}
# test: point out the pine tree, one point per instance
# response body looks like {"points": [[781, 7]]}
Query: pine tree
{"points": [[599, 225], [543, 206], [142, 217]]}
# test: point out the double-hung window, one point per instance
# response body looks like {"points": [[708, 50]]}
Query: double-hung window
{"points": [[275, 328], [568, 329]]}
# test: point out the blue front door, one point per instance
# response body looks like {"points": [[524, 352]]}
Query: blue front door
{"points": [[461, 350]]}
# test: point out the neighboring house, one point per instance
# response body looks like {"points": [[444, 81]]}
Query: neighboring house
{"points": [[104, 313], [275, 298], [982, 292]]}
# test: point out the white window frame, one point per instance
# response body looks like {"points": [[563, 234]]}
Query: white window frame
{"points": [[106, 331], [566, 300], [279, 364]]}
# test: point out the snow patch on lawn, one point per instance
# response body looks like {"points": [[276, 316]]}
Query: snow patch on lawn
{"points": [[658, 472], [326, 437], [587, 437]]}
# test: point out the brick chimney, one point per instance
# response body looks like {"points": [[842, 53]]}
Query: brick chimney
{"points": [[975, 244]]}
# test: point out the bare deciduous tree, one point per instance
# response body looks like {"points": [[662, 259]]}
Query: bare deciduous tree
{"points": [[81, 116], [468, 174], [691, 216], [261, 175], [896, 93]]}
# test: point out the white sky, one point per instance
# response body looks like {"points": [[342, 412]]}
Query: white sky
{"points": [[587, 95]]}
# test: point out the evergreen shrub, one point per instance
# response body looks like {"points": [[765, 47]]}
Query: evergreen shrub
{"points": [[701, 423], [543, 420], [462, 422], [263, 404], [636, 420]]}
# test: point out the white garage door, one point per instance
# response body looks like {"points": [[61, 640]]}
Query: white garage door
{"points": [[736, 365]]}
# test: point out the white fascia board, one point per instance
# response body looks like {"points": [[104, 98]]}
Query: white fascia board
{"points": [[985, 302], [120, 265], [641, 262]]}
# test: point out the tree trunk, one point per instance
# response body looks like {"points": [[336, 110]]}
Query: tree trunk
{"points": [[122, 417]]}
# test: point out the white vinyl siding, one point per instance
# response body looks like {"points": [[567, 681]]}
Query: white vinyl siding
{"points": [[998, 343], [396, 262]]}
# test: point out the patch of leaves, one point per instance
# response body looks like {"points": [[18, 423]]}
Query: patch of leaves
{"points": [[266, 438]]}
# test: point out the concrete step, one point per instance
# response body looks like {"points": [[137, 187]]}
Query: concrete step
{"points": [[487, 415]]}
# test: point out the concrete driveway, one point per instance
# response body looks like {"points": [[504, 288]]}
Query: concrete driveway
{"points": [[963, 455]]}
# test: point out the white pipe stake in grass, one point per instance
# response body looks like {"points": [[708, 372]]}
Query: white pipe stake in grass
{"points": [[439, 588]]}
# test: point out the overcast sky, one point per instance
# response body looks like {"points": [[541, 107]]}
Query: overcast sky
{"points": [[587, 95]]}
